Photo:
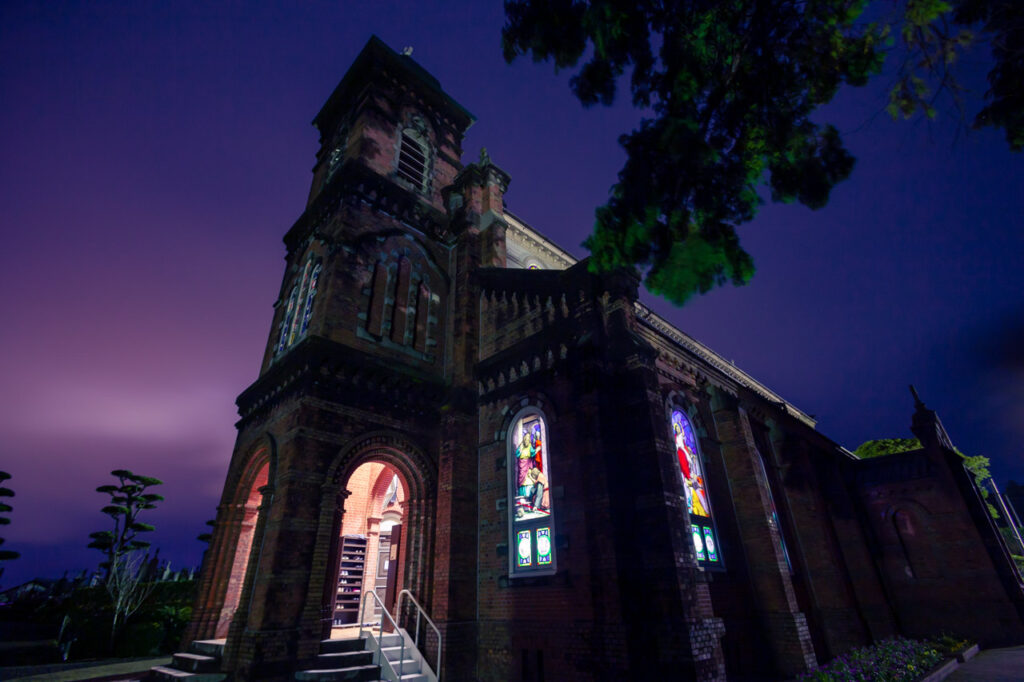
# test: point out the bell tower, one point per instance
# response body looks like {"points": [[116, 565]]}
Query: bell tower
{"points": [[368, 361], [369, 261]]}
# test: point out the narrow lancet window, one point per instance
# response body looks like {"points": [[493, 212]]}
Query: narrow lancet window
{"points": [[299, 310], [530, 513], [691, 468]]}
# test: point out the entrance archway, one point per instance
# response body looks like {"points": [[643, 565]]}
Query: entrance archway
{"points": [[341, 513], [250, 496], [370, 545]]}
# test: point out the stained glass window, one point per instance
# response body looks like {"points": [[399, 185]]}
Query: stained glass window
{"points": [[773, 520], [698, 543], [691, 469], [530, 515], [524, 548], [709, 544], [543, 546], [300, 306]]}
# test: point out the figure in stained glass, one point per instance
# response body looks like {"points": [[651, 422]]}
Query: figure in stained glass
{"points": [[690, 465], [532, 485]]}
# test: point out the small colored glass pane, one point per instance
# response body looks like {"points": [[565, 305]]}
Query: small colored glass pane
{"points": [[690, 466], [709, 544], [698, 544], [532, 487], [543, 546], [523, 549], [289, 314], [309, 300]]}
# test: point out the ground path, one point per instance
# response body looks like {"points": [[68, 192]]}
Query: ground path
{"points": [[992, 665]]}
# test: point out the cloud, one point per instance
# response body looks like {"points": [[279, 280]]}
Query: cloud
{"points": [[108, 411]]}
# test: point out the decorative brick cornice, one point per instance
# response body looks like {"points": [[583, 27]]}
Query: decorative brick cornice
{"points": [[325, 368], [687, 343], [354, 181], [523, 235]]}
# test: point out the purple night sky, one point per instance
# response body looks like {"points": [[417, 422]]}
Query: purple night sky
{"points": [[152, 156]]}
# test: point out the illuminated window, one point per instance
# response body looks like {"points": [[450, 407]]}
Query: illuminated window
{"points": [[530, 516], [691, 469], [299, 309]]}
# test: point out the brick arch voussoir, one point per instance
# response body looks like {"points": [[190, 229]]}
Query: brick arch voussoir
{"points": [[918, 512], [678, 399], [261, 454], [380, 488], [517, 404], [416, 471]]}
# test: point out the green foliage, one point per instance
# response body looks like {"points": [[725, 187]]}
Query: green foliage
{"points": [[729, 89], [127, 500], [950, 645], [891, 660], [5, 554], [206, 537], [886, 446], [978, 465], [88, 615]]}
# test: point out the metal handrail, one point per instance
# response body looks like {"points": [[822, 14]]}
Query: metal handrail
{"points": [[420, 611], [380, 639]]}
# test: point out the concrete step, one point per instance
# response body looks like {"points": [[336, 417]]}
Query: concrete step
{"points": [[393, 652], [359, 673], [389, 639], [336, 646], [196, 663], [207, 647], [163, 673], [406, 667], [413, 677], [344, 659]]}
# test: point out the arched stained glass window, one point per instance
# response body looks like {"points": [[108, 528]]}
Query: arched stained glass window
{"points": [[691, 469], [531, 519], [300, 306]]}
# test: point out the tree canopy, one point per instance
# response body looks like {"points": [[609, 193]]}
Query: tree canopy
{"points": [[728, 89], [127, 500]]}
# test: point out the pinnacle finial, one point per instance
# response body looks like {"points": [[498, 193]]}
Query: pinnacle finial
{"points": [[485, 158], [918, 403]]}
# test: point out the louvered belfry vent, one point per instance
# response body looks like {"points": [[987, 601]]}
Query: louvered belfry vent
{"points": [[412, 161]]}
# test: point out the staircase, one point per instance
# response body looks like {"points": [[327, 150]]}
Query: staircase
{"points": [[358, 660], [201, 663]]}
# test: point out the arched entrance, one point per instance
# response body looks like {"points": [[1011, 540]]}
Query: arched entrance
{"points": [[370, 545], [247, 514], [377, 525], [235, 536]]}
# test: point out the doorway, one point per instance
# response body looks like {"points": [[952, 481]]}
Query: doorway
{"points": [[371, 545]]}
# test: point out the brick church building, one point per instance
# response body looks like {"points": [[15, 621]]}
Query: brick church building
{"points": [[573, 489]]}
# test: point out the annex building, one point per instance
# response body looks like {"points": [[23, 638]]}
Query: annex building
{"points": [[453, 412]]}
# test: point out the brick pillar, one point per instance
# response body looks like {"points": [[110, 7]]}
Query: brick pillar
{"points": [[215, 574], [241, 614], [273, 626], [672, 630], [784, 624], [454, 570], [324, 567], [370, 566]]}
